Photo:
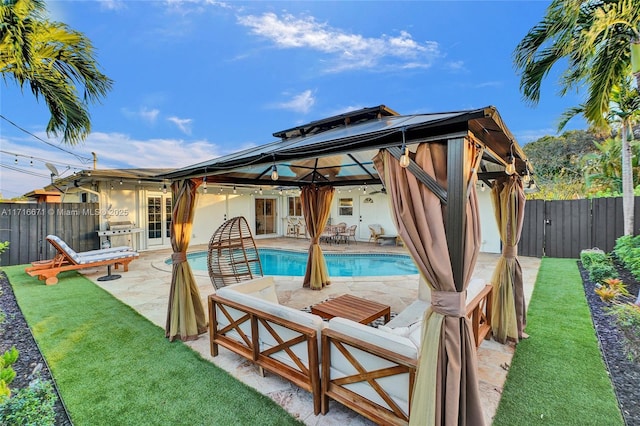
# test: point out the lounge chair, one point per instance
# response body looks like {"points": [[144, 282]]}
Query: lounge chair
{"points": [[66, 259], [375, 230]]}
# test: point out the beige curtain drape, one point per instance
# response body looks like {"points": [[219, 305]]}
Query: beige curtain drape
{"points": [[185, 315], [316, 206], [446, 391], [509, 311]]}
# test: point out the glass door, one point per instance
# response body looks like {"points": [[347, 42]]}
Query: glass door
{"points": [[159, 209], [265, 216]]}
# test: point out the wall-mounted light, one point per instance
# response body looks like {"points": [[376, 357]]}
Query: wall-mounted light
{"points": [[404, 158]]}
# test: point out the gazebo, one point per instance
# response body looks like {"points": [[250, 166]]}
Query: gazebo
{"points": [[429, 165]]}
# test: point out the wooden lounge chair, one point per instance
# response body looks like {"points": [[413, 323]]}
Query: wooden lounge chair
{"points": [[66, 259]]}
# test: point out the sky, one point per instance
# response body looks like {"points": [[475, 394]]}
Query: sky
{"points": [[194, 80]]}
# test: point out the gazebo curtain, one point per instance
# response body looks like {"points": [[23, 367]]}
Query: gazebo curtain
{"points": [[509, 310], [446, 391], [185, 315], [316, 206]]}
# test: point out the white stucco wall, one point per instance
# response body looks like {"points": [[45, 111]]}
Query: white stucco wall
{"points": [[213, 208]]}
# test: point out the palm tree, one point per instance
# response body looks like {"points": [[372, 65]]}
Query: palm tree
{"points": [[55, 61], [600, 40]]}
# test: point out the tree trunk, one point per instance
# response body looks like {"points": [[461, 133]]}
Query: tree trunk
{"points": [[627, 180]]}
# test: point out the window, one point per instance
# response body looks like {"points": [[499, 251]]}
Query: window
{"points": [[295, 206], [345, 207]]}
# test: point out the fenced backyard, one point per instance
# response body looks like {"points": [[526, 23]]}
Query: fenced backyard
{"points": [[26, 227]]}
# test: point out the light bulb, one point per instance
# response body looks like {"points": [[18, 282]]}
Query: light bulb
{"points": [[234, 189], [260, 191], [120, 181], [404, 158], [164, 188], [482, 187], [204, 184], [274, 173], [511, 166], [526, 178]]}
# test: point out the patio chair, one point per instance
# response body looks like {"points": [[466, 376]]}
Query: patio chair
{"points": [[349, 232], [376, 230], [67, 259], [292, 227]]}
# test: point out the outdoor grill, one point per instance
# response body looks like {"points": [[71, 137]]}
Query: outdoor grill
{"points": [[119, 234]]}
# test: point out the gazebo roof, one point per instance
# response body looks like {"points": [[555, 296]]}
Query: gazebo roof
{"points": [[339, 150]]}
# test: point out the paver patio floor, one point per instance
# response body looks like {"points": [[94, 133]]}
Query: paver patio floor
{"points": [[146, 289]]}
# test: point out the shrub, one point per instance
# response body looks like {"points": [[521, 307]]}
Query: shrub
{"points": [[32, 405], [7, 373], [627, 249], [627, 317], [602, 271], [592, 257]]}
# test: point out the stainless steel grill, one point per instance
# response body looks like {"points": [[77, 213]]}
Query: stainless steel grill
{"points": [[119, 234]]}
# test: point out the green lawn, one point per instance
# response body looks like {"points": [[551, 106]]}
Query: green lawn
{"points": [[114, 367], [557, 376]]}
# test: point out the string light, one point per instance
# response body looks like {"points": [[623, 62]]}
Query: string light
{"points": [[204, 184], [510, 168], [164, 188], [235, 191], [404, 158], [274, 172]]}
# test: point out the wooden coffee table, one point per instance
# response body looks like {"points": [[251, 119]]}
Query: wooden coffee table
{"points": [[354, 308]]}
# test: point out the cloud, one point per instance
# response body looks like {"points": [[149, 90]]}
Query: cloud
{"points": [[148, 115], [526, 136], [112, 4], [184, 124], [113, 151], [299, 103], [347, 51]]}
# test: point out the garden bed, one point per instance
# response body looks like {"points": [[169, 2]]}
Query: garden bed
{"points": [[624, 373], [14, 331]]}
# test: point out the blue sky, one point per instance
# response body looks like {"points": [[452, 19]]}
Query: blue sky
{"points": [[194, 80]]}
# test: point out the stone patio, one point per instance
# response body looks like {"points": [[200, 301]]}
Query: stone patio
{"points": [[146, 289]]}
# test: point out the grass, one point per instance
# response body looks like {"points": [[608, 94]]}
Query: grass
{"points": [[113, 366], [557, 376]]}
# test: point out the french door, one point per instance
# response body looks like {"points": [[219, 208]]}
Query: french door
{"points": [[265, 209], [159, 209]]}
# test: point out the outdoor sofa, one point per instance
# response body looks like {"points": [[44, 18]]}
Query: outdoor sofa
{"points": [[67, 259], [370, 370]]}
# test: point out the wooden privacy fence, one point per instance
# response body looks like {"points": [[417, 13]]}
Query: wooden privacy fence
{"points": [[26, 227], [563, 228]]}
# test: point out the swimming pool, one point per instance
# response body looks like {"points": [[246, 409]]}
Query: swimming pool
{"points": [[291, 263]]}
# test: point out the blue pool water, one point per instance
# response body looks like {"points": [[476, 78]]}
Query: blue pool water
{"points": [[283, 262]]}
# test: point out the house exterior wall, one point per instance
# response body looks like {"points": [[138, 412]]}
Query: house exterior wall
{"points": [[129, 203]]}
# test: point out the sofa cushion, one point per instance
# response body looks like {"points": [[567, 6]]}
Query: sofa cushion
{"points": [[281, 311], [398, 344], [409, 315], [262, 288]]}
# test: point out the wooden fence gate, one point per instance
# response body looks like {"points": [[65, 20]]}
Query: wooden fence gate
{"points": [[563, 228], [26, 227]]}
